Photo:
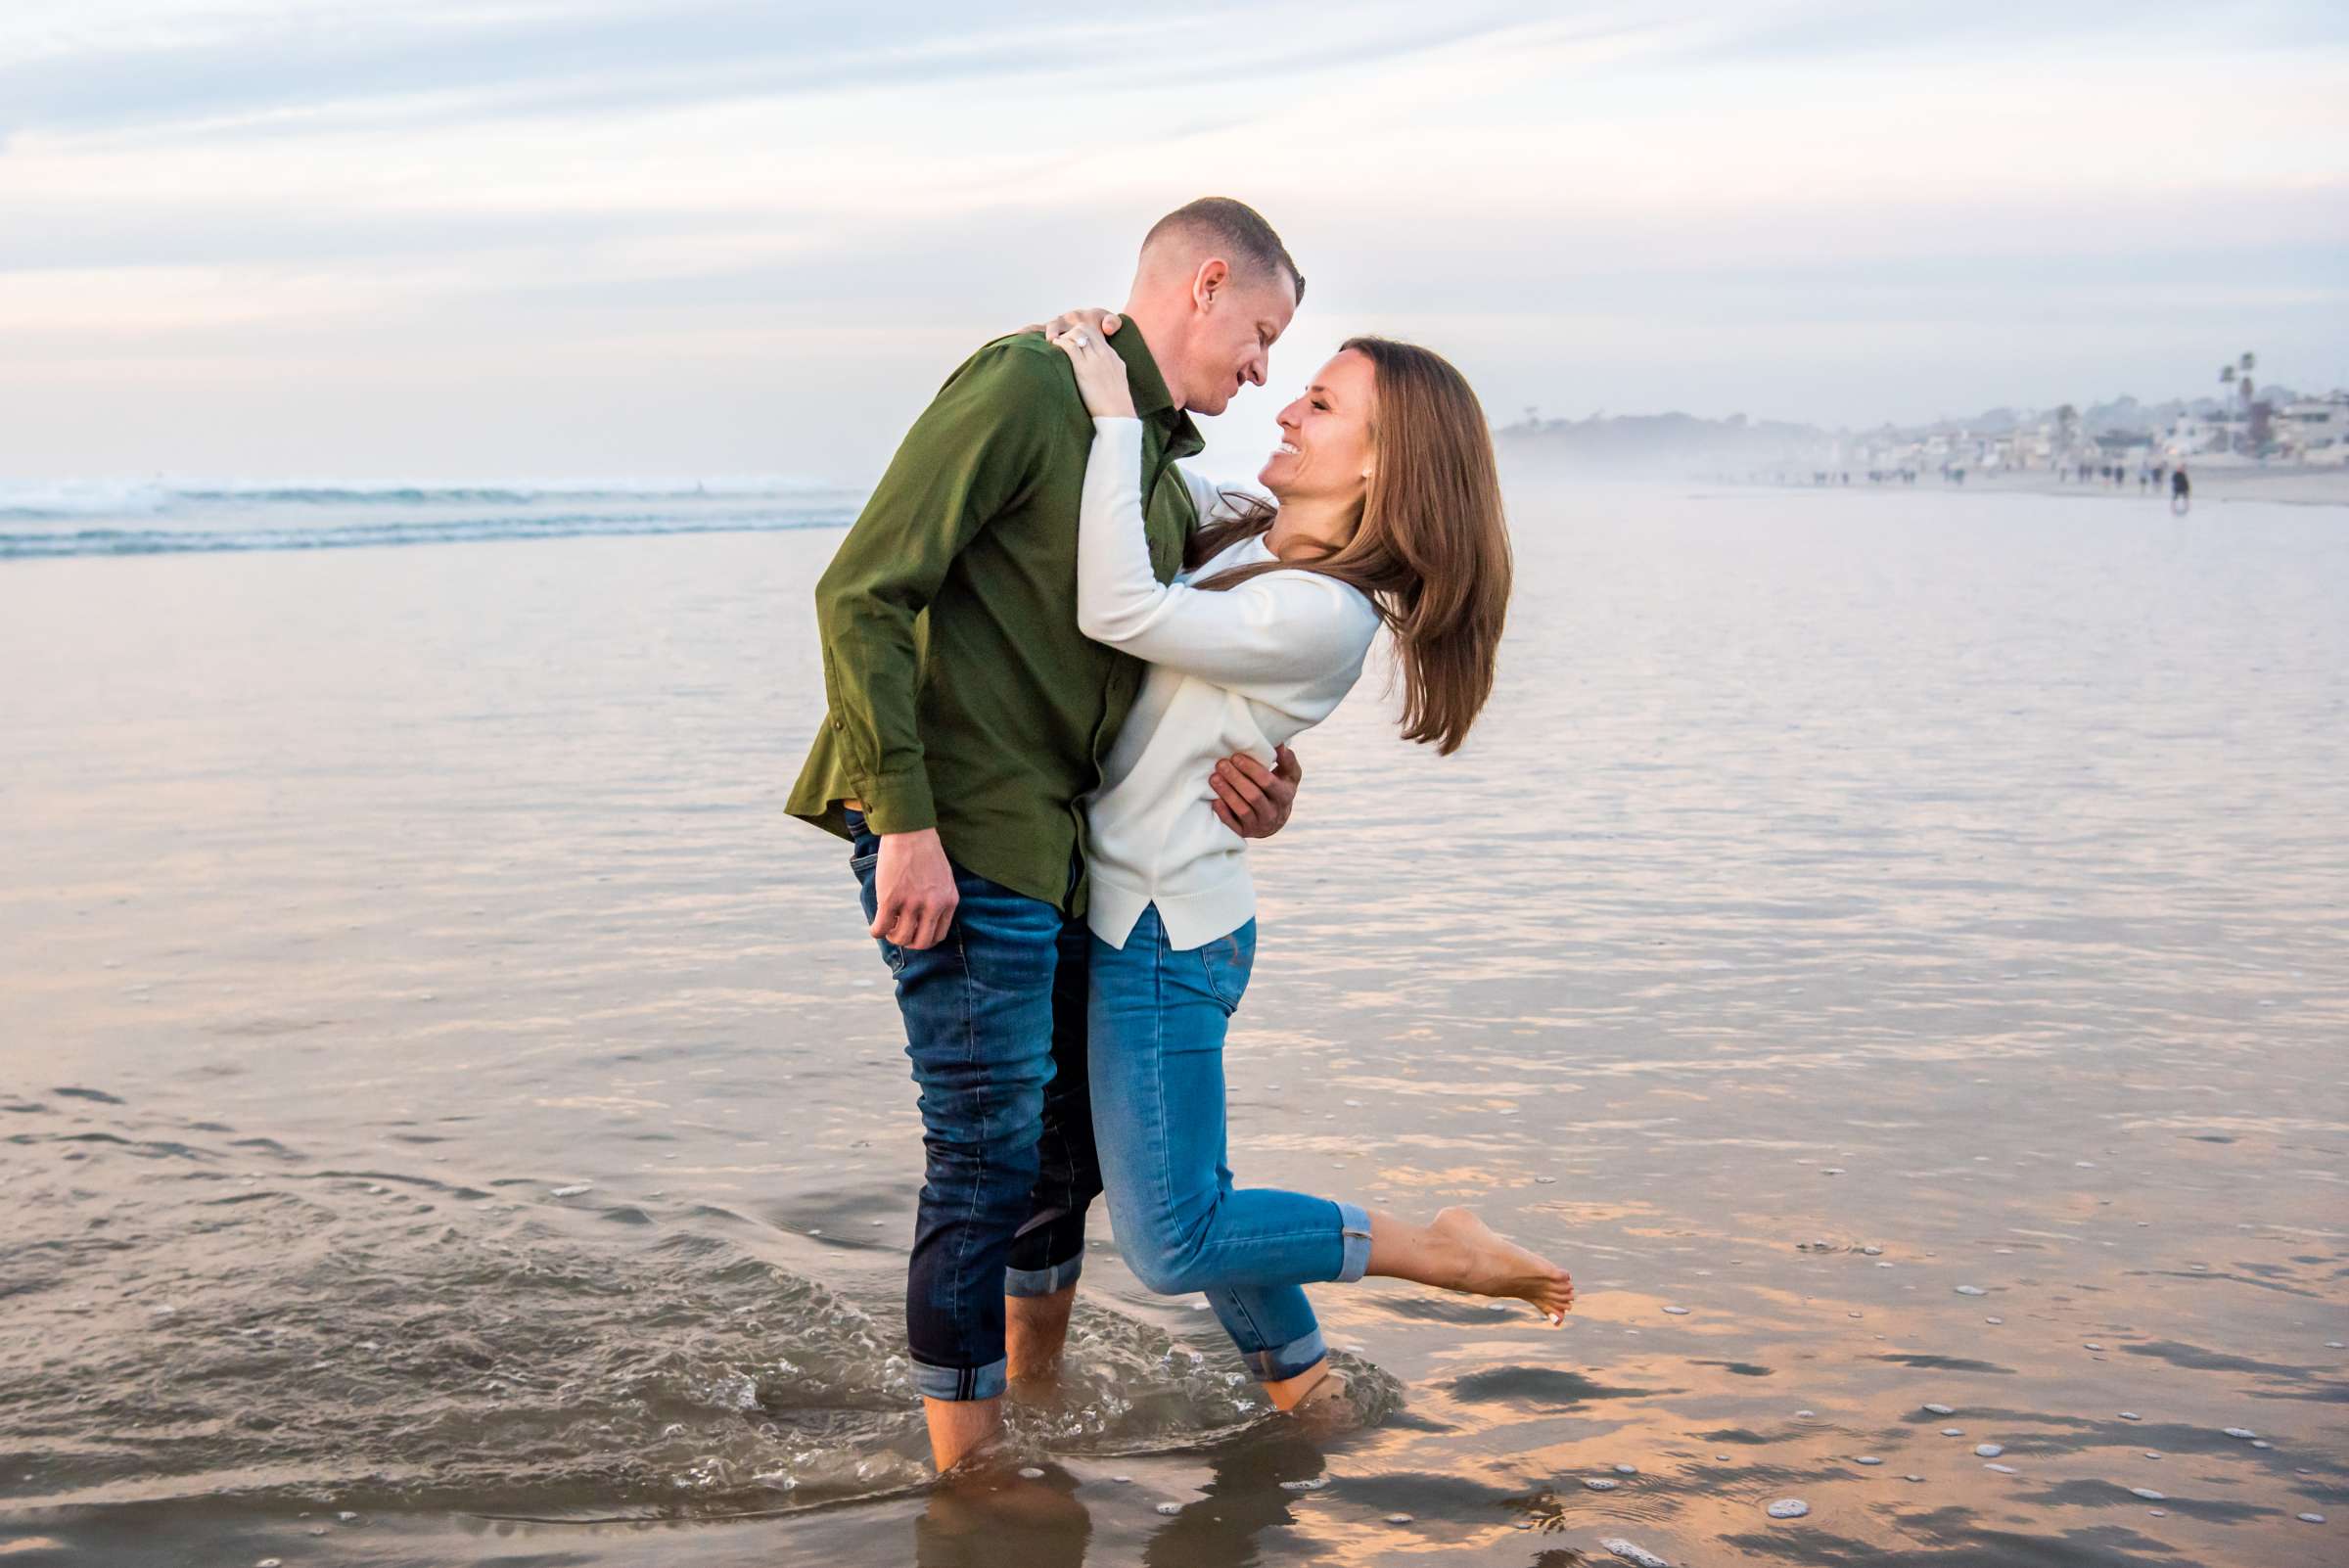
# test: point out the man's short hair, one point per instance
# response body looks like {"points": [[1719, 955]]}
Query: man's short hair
{"points": [[1235, 227]]}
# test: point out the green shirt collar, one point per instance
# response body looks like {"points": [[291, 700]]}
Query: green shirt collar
{"points": [[1151, 399]]}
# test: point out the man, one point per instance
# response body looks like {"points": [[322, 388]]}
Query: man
{"points": [[966, 720]]}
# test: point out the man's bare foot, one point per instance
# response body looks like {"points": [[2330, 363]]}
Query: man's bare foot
{"points": [[1036, 1330], [1492, 1265], [961, 1429]]}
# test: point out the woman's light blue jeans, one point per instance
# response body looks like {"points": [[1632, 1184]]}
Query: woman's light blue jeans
{"points": [[1155, 1032]]}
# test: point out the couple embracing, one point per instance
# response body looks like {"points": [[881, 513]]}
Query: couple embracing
{"points": [[1061, 673]]}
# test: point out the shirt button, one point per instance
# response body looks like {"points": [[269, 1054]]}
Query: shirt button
{"points": [[836, 724]]}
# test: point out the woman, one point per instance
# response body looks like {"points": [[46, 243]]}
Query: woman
{"points": [[1388, 512]]}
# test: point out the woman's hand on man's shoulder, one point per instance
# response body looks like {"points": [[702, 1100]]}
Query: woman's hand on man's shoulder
{"points": [[1083, 336]]}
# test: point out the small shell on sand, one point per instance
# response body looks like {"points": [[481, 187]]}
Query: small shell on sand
{"points": [[1990, 1451], [1953, 1431], [1971, 1290], [2003, 1469], [1627, 1470], [1943, 1410], [1678, 1311], [1030, 1472], [2241, 1432], [1640, 1556], [2149, 1494], [1170, 1510], [1868, 1458], [1789, 1508], [1601, 1483]]}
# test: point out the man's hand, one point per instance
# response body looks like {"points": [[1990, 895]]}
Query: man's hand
{"points": [[1254, 801], [914, 889]]}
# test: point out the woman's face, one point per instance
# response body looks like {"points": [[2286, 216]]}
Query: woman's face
{"points": [[1325, 451]]}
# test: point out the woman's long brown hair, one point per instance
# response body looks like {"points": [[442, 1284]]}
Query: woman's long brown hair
{"points": [[1432, 552]]}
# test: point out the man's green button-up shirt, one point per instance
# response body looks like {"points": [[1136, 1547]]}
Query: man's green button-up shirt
{"points": [[959, 693]]}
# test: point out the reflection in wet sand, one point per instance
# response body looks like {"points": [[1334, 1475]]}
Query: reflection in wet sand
{"points": [[1907, 941]]}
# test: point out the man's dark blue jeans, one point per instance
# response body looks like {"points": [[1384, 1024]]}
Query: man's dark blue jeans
{"points": [[994, 1025]]}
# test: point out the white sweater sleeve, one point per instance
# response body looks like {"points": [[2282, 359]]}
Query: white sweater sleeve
{"points": [[1272, 631]]}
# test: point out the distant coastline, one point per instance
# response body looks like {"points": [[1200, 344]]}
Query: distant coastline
{"points": [[2283, 446], [2214, 483]]}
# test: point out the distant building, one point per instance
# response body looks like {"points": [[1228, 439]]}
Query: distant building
{"points": [[2312, 430], [2190, 434]]}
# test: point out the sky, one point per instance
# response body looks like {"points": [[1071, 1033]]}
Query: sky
{"points": [[474, 239]]}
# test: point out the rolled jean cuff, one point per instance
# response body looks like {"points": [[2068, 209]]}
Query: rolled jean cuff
{"points": [[1286, 1360], [1354, 1222], [960, 1382], [1044, 1281]]}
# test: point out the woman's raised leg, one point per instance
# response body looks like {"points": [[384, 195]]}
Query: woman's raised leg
{"points": [[1155, 1038]]}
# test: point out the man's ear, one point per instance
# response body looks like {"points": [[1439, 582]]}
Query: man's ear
{"points": [[1212, 279]]}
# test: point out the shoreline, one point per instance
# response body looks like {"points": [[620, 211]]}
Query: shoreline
{"points": [[2299, 487]]}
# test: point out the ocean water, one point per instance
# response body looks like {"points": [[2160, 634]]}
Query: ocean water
{"points": [[166, 516], [1893, 948]]}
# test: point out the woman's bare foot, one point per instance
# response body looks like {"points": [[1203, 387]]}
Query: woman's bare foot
{"points": [[1316, 1396], [1492, 1265], [1286, 1392], [1328, 1406]]}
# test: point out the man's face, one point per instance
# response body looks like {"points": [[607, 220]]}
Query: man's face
{"points": [[1232, 339]]}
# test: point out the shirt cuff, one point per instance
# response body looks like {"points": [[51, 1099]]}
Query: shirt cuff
{"points": [[898, 803], [1106, 423]]}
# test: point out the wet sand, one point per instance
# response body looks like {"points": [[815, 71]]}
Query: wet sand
{"points": [[441, 1088]]}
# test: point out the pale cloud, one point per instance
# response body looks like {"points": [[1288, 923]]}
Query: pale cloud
{"points": [[746, 237]]}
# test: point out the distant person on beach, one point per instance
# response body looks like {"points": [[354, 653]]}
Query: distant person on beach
{"points": [[2181, 493], [1383, 509]]}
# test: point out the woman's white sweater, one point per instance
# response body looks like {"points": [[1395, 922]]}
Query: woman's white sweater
{"points": [[1241, 669]]}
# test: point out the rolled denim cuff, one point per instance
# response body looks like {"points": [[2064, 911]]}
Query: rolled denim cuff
{"points": [[960, 1382], [1286, 1360], [1354, 1222], [1044, 1281]]}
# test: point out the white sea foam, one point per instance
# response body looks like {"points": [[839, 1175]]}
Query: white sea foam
{"points": [[75, 498], [174, 516]]}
